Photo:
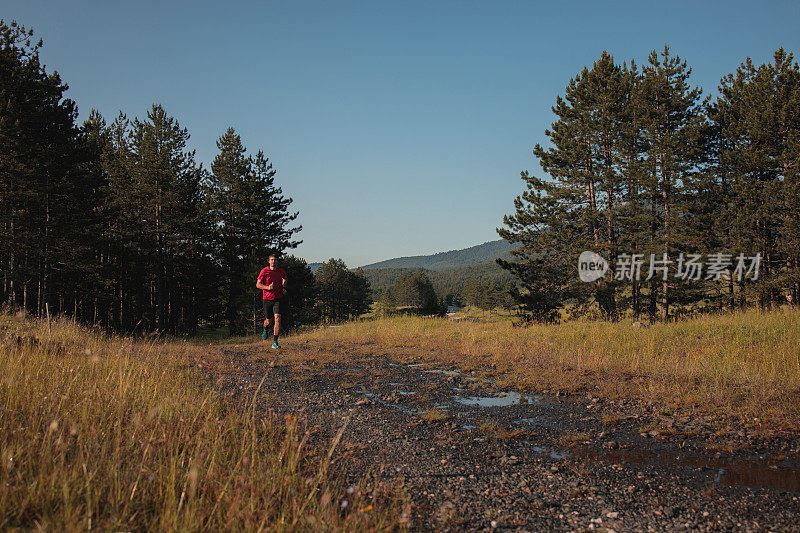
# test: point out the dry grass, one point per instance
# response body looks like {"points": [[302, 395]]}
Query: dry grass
{"points": [[115, 434], [745, 364], [435, 415]]}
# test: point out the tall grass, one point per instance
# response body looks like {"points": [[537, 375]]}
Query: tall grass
{"points": [[746, 363], [115, 434]]}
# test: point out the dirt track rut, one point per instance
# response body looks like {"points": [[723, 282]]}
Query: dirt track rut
{"points": [[476, 457]]}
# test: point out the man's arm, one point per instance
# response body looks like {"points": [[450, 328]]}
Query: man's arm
{"points": [[261, 286]]}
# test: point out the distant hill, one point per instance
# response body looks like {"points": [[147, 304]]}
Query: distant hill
{"points": [[475, 255], [448, 271], [445, 281]]}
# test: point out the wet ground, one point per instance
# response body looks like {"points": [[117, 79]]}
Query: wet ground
{"points": [[474, 456]]}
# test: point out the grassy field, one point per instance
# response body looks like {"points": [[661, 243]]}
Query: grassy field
{"points": [[745, 365], [115, 434]]}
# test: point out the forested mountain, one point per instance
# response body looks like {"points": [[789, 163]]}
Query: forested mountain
{"points": [[474, 255], [445, 282]]}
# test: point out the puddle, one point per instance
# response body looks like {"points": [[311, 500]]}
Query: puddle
{"points": [[415, 365], [743, 473], [468, 427], [504, 399], [405, 392], [443, 372], [400, 407], [413, 411], [541, 421], [550, 452]]}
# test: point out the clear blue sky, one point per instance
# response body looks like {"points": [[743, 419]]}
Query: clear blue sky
{"points": [[399, 128]]}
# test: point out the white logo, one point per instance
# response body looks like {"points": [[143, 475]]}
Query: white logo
{"points": [[591, 266]]}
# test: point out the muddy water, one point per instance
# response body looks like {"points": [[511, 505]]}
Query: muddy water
{"points": [[503, 399], [782, 476], [747, 473]]}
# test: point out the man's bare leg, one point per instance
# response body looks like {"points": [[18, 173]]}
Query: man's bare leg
{"points": [[276, 331], [265, 333]]}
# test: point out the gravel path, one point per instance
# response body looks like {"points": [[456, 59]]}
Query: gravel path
{"points": [[474, 456]]}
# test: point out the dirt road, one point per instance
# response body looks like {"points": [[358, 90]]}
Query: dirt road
{"points": [[475, 456]]}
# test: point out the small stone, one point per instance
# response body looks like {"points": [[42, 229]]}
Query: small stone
{"points": [[612, 515], [494, 524]]}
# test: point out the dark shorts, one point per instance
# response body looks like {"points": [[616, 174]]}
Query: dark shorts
{"points": [[272, 308]]}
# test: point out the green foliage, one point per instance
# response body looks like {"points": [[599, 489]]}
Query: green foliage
{"points": [[341, 293], [414, 290], [300, 295], [117, 224], [489, 295], [755, 178], [447, 283], [160, 190], [578, 210], [640, 165], [46, 194], [249, 218]]}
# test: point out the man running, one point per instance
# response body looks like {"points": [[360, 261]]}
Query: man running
{"points": [[272, 280]]}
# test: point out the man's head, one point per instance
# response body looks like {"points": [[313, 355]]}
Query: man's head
{"points": [[273, 260]]}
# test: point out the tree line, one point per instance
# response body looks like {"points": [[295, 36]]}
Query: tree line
{"points": [[650, 175], [412, 293], [450, 284], [117, 224]]}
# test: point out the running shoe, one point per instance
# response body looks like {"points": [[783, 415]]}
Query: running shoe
{"points": [[275, 345]]}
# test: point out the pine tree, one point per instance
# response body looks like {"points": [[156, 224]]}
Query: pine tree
{"points": [[414, 289], [672, 124], [250, 217], [330, 280], [758, 122], [41, 187], [300, 294], [359, 293], [164, 204], [579, 209]]}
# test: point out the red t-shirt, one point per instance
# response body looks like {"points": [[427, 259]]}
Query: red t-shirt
{"points": [[275, 277]]}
